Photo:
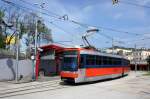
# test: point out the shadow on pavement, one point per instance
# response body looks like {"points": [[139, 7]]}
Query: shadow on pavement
{"points": [[87, 83]]}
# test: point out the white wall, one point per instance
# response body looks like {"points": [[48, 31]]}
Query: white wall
{"points": [[8, 72]]}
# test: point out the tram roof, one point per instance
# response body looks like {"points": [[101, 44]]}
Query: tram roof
{"points": [[94, 52], [91, 52]]}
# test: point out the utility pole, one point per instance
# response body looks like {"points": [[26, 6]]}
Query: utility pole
{"points": [[17, 49], [35, 49], [36, 34], [36, 41], [113, 46], [135, 60], [41, 6]]}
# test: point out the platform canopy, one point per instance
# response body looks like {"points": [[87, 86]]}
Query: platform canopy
{"points": [[55, 47]]}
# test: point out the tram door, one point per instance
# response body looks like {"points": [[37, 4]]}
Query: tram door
{"points": [[123, 65], [82, 70]]}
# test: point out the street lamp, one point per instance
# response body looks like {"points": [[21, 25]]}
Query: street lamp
{"points": [[40, 6], [36, 42]]}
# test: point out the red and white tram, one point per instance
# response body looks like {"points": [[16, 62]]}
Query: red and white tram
{"points": [[84, 65]]}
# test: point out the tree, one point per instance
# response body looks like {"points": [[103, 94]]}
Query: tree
{"points": [[44, 32], [2, 43], [27, 25], [148, 62], [2, 38]]}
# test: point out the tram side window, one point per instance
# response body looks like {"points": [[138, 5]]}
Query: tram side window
{"points": [[82, 62], [98, 60], [105, 60], [118, 61], [128, 62], [90, 60], [110, 61], [114, 61], [124, 62]]}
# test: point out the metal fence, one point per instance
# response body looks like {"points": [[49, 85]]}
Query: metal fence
{"points": [[11, 54], [6, 54]]}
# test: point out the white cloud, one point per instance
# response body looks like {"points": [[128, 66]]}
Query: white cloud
{"points": [[88, 8], [143, 2], [117, 16], [92, 12]]}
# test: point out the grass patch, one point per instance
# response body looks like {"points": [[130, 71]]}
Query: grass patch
{"points": [[147, 74]]}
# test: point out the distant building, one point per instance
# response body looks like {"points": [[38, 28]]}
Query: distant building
{"points": [[126, 52], [137, 56], [141, 56]]}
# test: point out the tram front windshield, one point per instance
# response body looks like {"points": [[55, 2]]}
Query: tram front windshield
{"points": [[70, 61]]}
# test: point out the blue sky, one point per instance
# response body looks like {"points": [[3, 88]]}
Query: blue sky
{"points": [[99, 13]]}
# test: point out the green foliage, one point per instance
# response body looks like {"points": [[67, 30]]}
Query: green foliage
{"points": [[26, 21], [2, 14], [41, 27], [2, 41], [148, 60], [23, 29], [147, 74]]}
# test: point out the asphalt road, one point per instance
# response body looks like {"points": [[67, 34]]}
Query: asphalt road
{"points": [[133, 86]]}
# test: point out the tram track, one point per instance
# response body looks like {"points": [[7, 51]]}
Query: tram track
{"points": [[29, 85], [32, 89], [27, 88]]}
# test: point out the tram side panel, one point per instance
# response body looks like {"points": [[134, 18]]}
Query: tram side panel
{"points": [[94, 71]]}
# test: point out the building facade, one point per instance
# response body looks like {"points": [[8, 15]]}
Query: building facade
{"points": [[137, 56]]}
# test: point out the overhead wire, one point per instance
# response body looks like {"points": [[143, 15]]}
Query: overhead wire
{"points": [[24, 9], [13, 4], [62, 29], [79, 23], [137, 40], [73, 21], [134, 4], [39, 8], [105, 28]]}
